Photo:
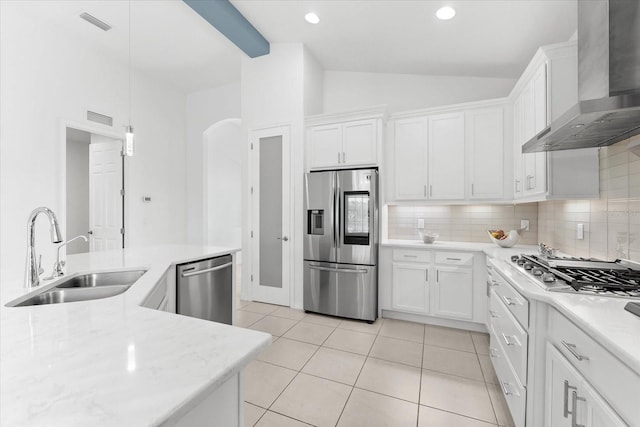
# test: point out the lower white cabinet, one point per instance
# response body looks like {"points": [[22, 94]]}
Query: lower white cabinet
{"points": [[410, 287], [570, 400], [453, 292], [433, 283]]}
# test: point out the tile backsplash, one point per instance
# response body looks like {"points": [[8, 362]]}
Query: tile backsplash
{"points": [[463, 223], [611, 223]]}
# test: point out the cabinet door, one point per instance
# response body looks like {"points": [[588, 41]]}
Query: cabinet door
{"points": [[446, 156], [562, 381], [359, 143], [325, 144], [410, 288], [411, 158], [518, 136], [453, 293], [539, 99], [485, 132], [599, 413]]}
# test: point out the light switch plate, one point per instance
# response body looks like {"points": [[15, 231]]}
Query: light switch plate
{"points": [[580, 231], [524, 223], [420, 222]]}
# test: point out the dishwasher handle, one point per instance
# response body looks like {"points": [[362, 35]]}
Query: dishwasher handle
{"points": [[207, 270]]}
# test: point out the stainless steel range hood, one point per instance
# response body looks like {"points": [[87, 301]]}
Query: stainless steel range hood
{"points": [[608, 110]]}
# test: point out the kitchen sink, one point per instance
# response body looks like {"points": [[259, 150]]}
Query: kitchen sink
{"points": [[56, 296], [109, 278], [85, 287]]}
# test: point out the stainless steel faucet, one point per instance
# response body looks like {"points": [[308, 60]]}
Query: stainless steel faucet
{"points": [[32, 270], [57, 267]]}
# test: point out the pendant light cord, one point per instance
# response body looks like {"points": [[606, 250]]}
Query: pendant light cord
{"points": [[129, 63]]}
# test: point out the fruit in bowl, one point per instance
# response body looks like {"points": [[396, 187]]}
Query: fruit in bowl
{"points": [[505, 240]]}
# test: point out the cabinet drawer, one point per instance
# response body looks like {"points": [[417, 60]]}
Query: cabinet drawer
{"points": [[612, 378], [513, 391], [411, 255], [454, 258], [510, 334], [515, 303]]}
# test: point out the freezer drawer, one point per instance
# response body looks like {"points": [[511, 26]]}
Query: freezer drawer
{"points": [[343, 290], [204, 289]]}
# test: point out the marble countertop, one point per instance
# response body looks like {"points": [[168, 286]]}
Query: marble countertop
{"points": [[603, 318], [111, 362]]}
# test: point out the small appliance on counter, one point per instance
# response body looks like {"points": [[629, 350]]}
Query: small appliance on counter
{"points": [[341, 243]]}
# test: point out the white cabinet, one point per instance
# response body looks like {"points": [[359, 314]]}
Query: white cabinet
{"points": [[570, 400], [411, 287], [347, 144], [546, 90], [158, 298], [435, 283], [485, 148], [446, 157], [429, 157], [453, 292], [411, 158]]}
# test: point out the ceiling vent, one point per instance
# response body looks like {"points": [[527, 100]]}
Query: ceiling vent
{"points": [[99, 118], [95, 21]]}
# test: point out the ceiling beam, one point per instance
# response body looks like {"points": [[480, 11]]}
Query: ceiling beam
{"points": [[222, 15]]}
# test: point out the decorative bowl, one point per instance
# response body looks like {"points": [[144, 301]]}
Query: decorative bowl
{"points": [[510, 238], [427, 236]]}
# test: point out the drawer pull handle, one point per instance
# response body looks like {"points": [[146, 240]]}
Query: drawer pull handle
{"points": [[566, 398], [494, 314], [454, 259], [506, 390], [410, 256], [494, 283], [574, 413], [573, 351], [493, 352], [509, 301], [507, 340], [426, 275]]}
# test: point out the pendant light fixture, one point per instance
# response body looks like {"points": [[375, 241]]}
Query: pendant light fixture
{"points": [[129, 137]]}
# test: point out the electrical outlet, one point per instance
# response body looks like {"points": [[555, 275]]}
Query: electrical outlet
{"points": [[580, 231], [524, 223], [421, 223]]}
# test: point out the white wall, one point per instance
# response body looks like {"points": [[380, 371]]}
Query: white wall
{"points": [[48, 79], [77, 222], [313, 81], [204, 108], [223, 154], [345, 90]]}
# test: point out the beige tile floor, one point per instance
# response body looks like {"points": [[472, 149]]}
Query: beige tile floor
{"points": [[325, 371]]}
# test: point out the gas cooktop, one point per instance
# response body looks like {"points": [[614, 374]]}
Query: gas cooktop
{"points": [[619, 278]]}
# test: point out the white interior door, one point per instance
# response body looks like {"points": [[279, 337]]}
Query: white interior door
{"points": [[270, 217], [105, 197]]}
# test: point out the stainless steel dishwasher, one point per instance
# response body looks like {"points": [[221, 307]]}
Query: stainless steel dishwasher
{"points": [[205, 289]]}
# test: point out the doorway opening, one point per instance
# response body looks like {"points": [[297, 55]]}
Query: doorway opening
{"points": [[94, 191]]}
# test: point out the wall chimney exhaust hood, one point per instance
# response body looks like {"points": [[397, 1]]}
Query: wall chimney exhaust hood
{"points": [[608, 110]]}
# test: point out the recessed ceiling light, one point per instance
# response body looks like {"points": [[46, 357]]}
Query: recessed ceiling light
{"points": [[445, 13], [312, 18]]}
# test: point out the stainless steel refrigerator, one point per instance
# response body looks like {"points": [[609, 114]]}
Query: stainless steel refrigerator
{"points": [[341, 243]]}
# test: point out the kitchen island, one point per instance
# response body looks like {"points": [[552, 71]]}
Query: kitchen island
{"points": [[113, 362]]}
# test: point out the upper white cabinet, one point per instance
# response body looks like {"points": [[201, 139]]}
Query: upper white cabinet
{"points": [[454, 153], [348, 140], [485, 142], [546, 90], [446, 156]]}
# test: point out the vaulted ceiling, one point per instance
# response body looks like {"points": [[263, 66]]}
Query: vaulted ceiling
{"points": [[170, 41]]}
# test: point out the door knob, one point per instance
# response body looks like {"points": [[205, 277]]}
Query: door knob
{"points": [[284, 239], [90, 232]]}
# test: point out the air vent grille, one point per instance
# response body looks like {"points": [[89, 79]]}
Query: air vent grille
{"points": [[99, 118], [95, 21]]}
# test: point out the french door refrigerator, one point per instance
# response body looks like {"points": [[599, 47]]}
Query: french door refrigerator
{"points": [[341, 243]]}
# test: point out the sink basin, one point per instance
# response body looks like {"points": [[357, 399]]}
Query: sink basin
{"points": [[56, 296], [108, 278], [85, 287]]}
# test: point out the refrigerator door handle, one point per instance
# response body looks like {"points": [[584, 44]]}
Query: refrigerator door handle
{"points": [[339, 270]]}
